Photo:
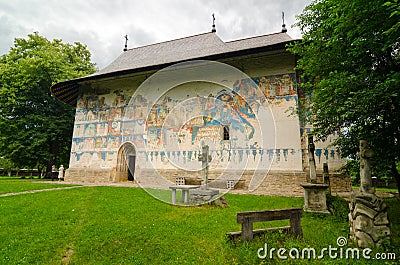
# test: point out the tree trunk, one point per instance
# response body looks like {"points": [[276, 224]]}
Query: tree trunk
{"points": [[50, 163], [39, 168], [53, 157], [396, 176]]}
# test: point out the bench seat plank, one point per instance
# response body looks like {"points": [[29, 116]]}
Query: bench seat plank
{"points": [[267, 215], [246, 219]]}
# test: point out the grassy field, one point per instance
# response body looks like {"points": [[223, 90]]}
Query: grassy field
{"points": [[119, 225], [391, 190]]}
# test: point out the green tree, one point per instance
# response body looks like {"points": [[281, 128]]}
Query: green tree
{"points": [[349, 60], [36, 128], [6, 164]]}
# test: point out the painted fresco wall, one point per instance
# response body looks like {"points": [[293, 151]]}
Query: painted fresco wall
{"points": [[169, 133], [194, 114], [97, 131]]}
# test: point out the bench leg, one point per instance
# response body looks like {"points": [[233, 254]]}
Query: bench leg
{"points": [[185, 196], [295, 225], [173, 196], [247, 230]]}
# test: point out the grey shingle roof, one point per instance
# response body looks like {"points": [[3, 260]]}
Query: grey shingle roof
{"points": [[189, 48], [167, 52], [260, 41], [201, 46]]}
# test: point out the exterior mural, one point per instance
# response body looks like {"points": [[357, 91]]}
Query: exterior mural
{"points": [[97, 133], [226, 120]]}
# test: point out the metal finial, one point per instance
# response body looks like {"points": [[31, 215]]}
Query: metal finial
{"points": [[126, 43], [213, 25], [283, 23]]}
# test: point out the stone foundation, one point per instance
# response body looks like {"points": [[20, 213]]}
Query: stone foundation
{"points": [[338, 182], [275, 183], [282, 184], [90, 175]]}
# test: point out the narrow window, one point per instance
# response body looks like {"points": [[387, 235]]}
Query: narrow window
{"points": [[226, 132]]}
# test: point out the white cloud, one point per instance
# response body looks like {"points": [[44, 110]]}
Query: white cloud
{"points": [[102, 24]]}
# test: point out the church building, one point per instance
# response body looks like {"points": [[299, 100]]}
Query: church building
{"points": [[145, 117]]}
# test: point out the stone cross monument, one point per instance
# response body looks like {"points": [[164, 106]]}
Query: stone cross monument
{"points": [[314, 193], [369, 223], [205, 159], [204, 194], [365, 154]]}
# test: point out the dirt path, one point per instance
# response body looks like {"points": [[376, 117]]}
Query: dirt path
{"points": [[36, 191], [382, 194]]}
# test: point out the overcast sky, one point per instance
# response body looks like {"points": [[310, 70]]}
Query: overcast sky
{"points": [[102, 24]]}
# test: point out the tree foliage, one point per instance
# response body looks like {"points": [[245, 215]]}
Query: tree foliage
{"points": [[349, 59], [6, 164], [36, 128]]}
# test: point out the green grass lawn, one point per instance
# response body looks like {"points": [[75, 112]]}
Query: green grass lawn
{"points": [[391, 190], [120, 225]]}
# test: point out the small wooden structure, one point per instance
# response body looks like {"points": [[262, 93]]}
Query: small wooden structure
{"points": [[248, 218]]}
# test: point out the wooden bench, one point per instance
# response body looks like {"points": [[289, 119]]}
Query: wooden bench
{"points": [[246, 219]]}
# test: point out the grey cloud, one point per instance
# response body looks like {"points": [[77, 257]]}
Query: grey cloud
{"points": [[255, 17], [9, 30], [101, 24]]}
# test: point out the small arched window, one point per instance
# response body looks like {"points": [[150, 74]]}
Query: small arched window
{"points": [[226, 132]]}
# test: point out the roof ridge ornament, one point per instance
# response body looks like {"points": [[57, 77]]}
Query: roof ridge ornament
{"points": [[213, 25], [126, 43], [283, 23]]}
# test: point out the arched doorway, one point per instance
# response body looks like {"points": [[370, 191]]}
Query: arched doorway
{"points": [[126, 162]]}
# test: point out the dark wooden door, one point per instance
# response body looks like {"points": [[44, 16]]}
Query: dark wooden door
{"points": [[131, 167]]}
